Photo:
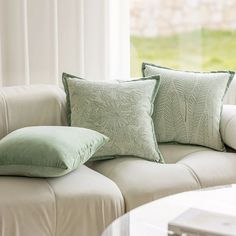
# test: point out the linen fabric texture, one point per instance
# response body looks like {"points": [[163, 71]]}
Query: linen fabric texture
{"points": [[188, 105], [47, 151], [121, 110]]}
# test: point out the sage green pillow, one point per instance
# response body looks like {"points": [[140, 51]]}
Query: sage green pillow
{"points": [[188, 105], [47, 151], [120, 110]]}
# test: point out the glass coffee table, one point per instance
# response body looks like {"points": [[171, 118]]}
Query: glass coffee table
{"points": [[152, 219]]}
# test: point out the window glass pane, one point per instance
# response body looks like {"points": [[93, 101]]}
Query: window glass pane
{"points": [[183, 34]]}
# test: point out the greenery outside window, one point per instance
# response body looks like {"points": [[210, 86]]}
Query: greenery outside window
{"points": [[195, 35]]}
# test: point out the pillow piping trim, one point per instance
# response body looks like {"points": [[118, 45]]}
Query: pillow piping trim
{"points": [[144, 64]]}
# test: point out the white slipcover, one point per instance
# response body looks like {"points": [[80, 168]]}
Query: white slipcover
{"points": [[84, 202]]}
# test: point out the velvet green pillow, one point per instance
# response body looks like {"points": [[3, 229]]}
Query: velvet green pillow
{"points": [[188, 105], [47, 151], [120, 110]]}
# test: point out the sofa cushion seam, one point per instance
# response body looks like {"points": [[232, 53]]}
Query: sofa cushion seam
{"points": [[107, 175], [193, 173], [55, 204]]}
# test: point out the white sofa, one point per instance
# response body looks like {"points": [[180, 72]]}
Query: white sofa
{"points": [[85, 201]]}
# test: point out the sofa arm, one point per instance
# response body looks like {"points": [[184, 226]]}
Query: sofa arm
{"points": [[228, 125]]}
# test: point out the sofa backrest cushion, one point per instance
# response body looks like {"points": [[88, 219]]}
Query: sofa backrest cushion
{"points": [[33, 105]]}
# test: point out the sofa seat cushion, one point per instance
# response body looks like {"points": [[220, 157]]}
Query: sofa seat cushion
{"points": [[27, 207], [173, 153], [81, 203], [142, 181], [212, 168]]}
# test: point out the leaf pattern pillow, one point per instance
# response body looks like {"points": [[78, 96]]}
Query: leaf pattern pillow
{"points": [[188, 105], [120, 110]]}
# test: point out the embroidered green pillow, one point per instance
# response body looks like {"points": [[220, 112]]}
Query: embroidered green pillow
{"points": [[188, 105], [120, 110], [47, 151]]}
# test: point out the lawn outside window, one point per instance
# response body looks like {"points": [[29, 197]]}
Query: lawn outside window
{"points": [[197, 35]]}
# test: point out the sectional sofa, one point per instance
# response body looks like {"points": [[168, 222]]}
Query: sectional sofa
{"points": [[85, 201]]}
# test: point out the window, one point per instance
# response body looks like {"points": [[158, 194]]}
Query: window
{"points": [[183, 34]]}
